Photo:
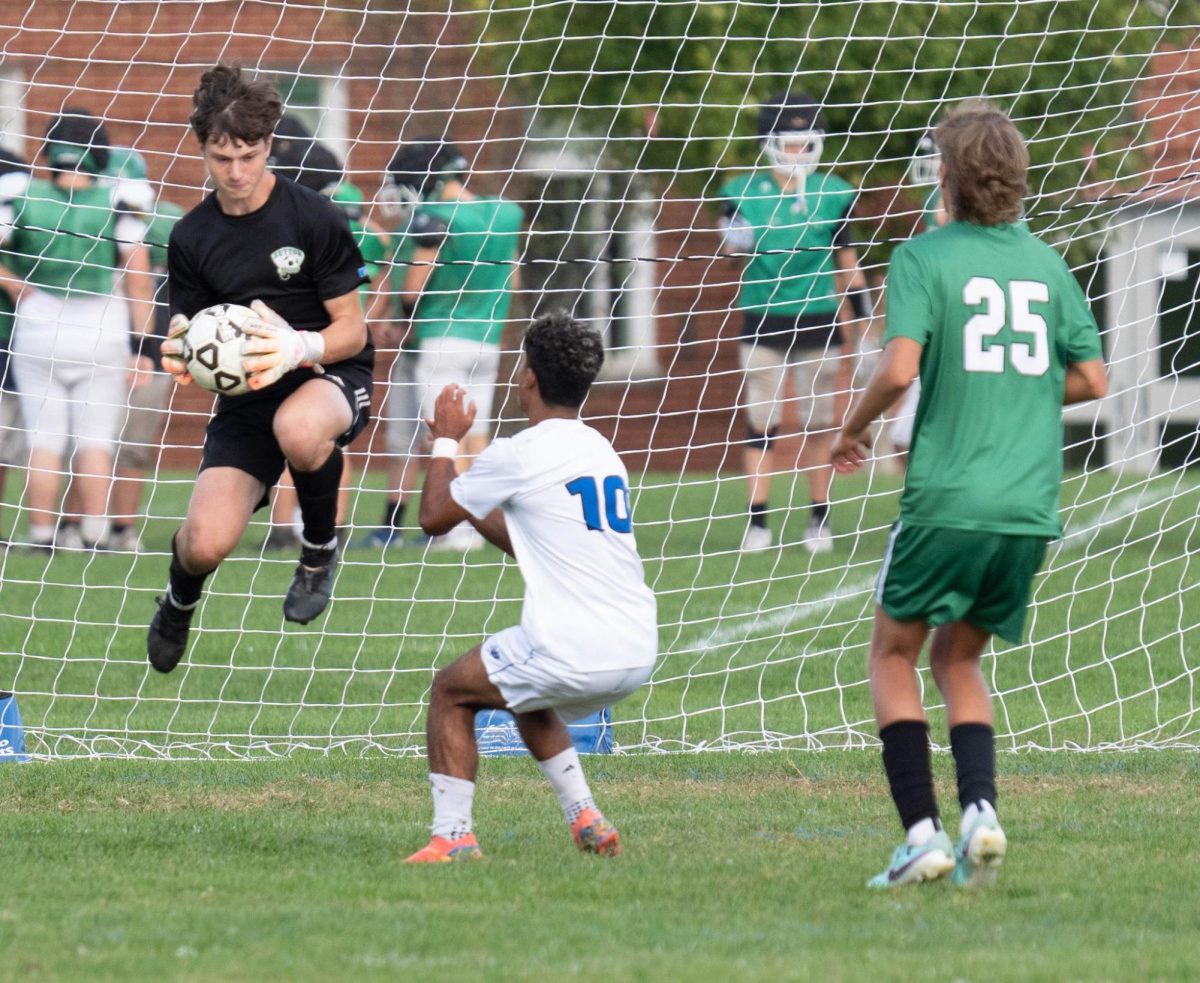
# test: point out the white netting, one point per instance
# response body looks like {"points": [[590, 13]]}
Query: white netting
{"points": [[612, 125]]}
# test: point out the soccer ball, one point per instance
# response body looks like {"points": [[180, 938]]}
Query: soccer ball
{"points": [[212, 349]]}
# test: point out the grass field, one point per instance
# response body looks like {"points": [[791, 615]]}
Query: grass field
{"points": [[737, 867], [765, 650]]}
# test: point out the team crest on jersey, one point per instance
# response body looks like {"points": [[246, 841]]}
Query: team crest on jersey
{"points": [[287, 261]]}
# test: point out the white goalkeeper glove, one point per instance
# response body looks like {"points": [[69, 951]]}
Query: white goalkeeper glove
{"points": [[275, 348], [172, 349]]}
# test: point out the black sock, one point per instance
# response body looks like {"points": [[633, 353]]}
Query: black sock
{"points": [[909, 773], [317, 492], [820, 511], [758, 514], [119, 526], [974, 747], [393, 514], [185, 587]]}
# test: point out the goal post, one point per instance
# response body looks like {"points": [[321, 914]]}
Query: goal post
{"points": [[614, 126]]}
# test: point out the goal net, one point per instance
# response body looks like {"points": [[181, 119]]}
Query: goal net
{"points": [[614, 127]]}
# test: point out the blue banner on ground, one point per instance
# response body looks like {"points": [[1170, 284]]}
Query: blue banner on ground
{"points": [[496, 733], [12, 732]]}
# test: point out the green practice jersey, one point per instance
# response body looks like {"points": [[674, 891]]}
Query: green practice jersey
{"points": [[795, 235], [470, 296], [65, 238], [1000, 317], [374, 247]]}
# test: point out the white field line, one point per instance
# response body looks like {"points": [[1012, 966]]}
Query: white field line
{"points": [[739, 628]]}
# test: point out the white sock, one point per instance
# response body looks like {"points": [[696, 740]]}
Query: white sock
{"points": [[41, 535], [93, 528], [972, 812], [921, 832], [565, 774], [452, 798]]}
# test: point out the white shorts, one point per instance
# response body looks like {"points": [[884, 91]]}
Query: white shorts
{"points": [[815, 375], [70, 356], [906, 414], [145, 421], [402, 407], [442, 361], [531, 680], [13, 452]]}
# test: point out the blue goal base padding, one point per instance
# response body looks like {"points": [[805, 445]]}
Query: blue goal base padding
{"points": [[496, 733], [12, 732]]}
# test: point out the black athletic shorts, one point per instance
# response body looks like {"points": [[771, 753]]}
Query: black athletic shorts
{"points": [[241, 433]]}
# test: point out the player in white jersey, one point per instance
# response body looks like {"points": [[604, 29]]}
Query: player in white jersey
{"points": [[555, 496]]}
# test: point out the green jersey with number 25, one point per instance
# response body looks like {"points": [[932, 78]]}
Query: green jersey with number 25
{"points": [[1000, 316]]}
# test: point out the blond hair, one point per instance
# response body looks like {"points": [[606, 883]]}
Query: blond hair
{"points": [[985, 161]]}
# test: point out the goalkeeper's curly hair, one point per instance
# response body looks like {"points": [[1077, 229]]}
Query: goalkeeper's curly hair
{"points": [[229, 107], [565, 356]]}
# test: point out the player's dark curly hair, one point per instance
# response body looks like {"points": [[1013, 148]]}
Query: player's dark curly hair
{"points": [[986, 162], [228, 107], [565, 356]]}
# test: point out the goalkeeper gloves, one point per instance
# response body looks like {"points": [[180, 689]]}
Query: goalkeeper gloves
{"points": [[172, 349], [275, 348]]}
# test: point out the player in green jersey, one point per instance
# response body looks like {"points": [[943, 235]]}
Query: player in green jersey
{"points": [[69, 237], [924, 173], [14, 179], [458, 286], [1003, 336], [796, 302]]}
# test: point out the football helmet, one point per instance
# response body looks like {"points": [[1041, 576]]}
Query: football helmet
{"points": [[926, 165], [792, 132]]}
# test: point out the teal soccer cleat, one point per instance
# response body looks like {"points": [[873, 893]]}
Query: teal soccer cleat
{"points": [[980, 853], [914, 864]]}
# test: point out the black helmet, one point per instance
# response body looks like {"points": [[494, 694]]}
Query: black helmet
{"points": [[76, 141], [298, 156], [788, 120], [419, 169]]}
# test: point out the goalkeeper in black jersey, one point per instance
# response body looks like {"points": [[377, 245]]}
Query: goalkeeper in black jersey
{"points": [[287, 253]]}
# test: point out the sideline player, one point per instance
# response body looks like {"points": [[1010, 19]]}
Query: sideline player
{"points": [[1003, 337], [459, 286], [14, 179], [796, 300], [287, 253], [924, 173], [555, 496], [71, 237]]}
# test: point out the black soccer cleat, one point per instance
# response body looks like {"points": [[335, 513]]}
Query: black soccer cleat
{"points": [[312, 585], [167, 638]]}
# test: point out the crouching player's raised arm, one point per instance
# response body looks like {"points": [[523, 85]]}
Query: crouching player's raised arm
{"points": [[555, 496], [1003, 336]]}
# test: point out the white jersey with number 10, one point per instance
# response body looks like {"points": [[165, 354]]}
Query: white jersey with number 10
{"points": [[565, 497]]}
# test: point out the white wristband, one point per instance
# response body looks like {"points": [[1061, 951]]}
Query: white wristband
{"points": [[445, 447], [314, 347]]}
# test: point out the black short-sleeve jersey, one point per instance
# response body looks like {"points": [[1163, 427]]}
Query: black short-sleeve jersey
{"points": [[294, 253]]}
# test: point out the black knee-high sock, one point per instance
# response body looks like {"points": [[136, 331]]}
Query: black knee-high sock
{"points": [[974, 747], [317, 492], [185, 587], [393, 514], [909, 773]]}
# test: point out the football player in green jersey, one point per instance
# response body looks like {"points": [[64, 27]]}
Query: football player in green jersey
{"points": [[70, 238], [459, 286], [924, 173], [796, 302], [14, 178], [1003, 336]]}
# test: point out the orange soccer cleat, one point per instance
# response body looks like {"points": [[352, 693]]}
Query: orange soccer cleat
{"points": [[595, 834], [441, 850]]}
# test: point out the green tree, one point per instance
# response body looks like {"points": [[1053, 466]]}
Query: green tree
{"points": [[883, 72]]}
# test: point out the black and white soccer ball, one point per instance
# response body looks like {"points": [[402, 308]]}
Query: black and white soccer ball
{"points": [[212, 348]]}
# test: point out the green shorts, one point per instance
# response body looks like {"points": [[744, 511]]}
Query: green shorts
{"points": [[939, 575]]}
